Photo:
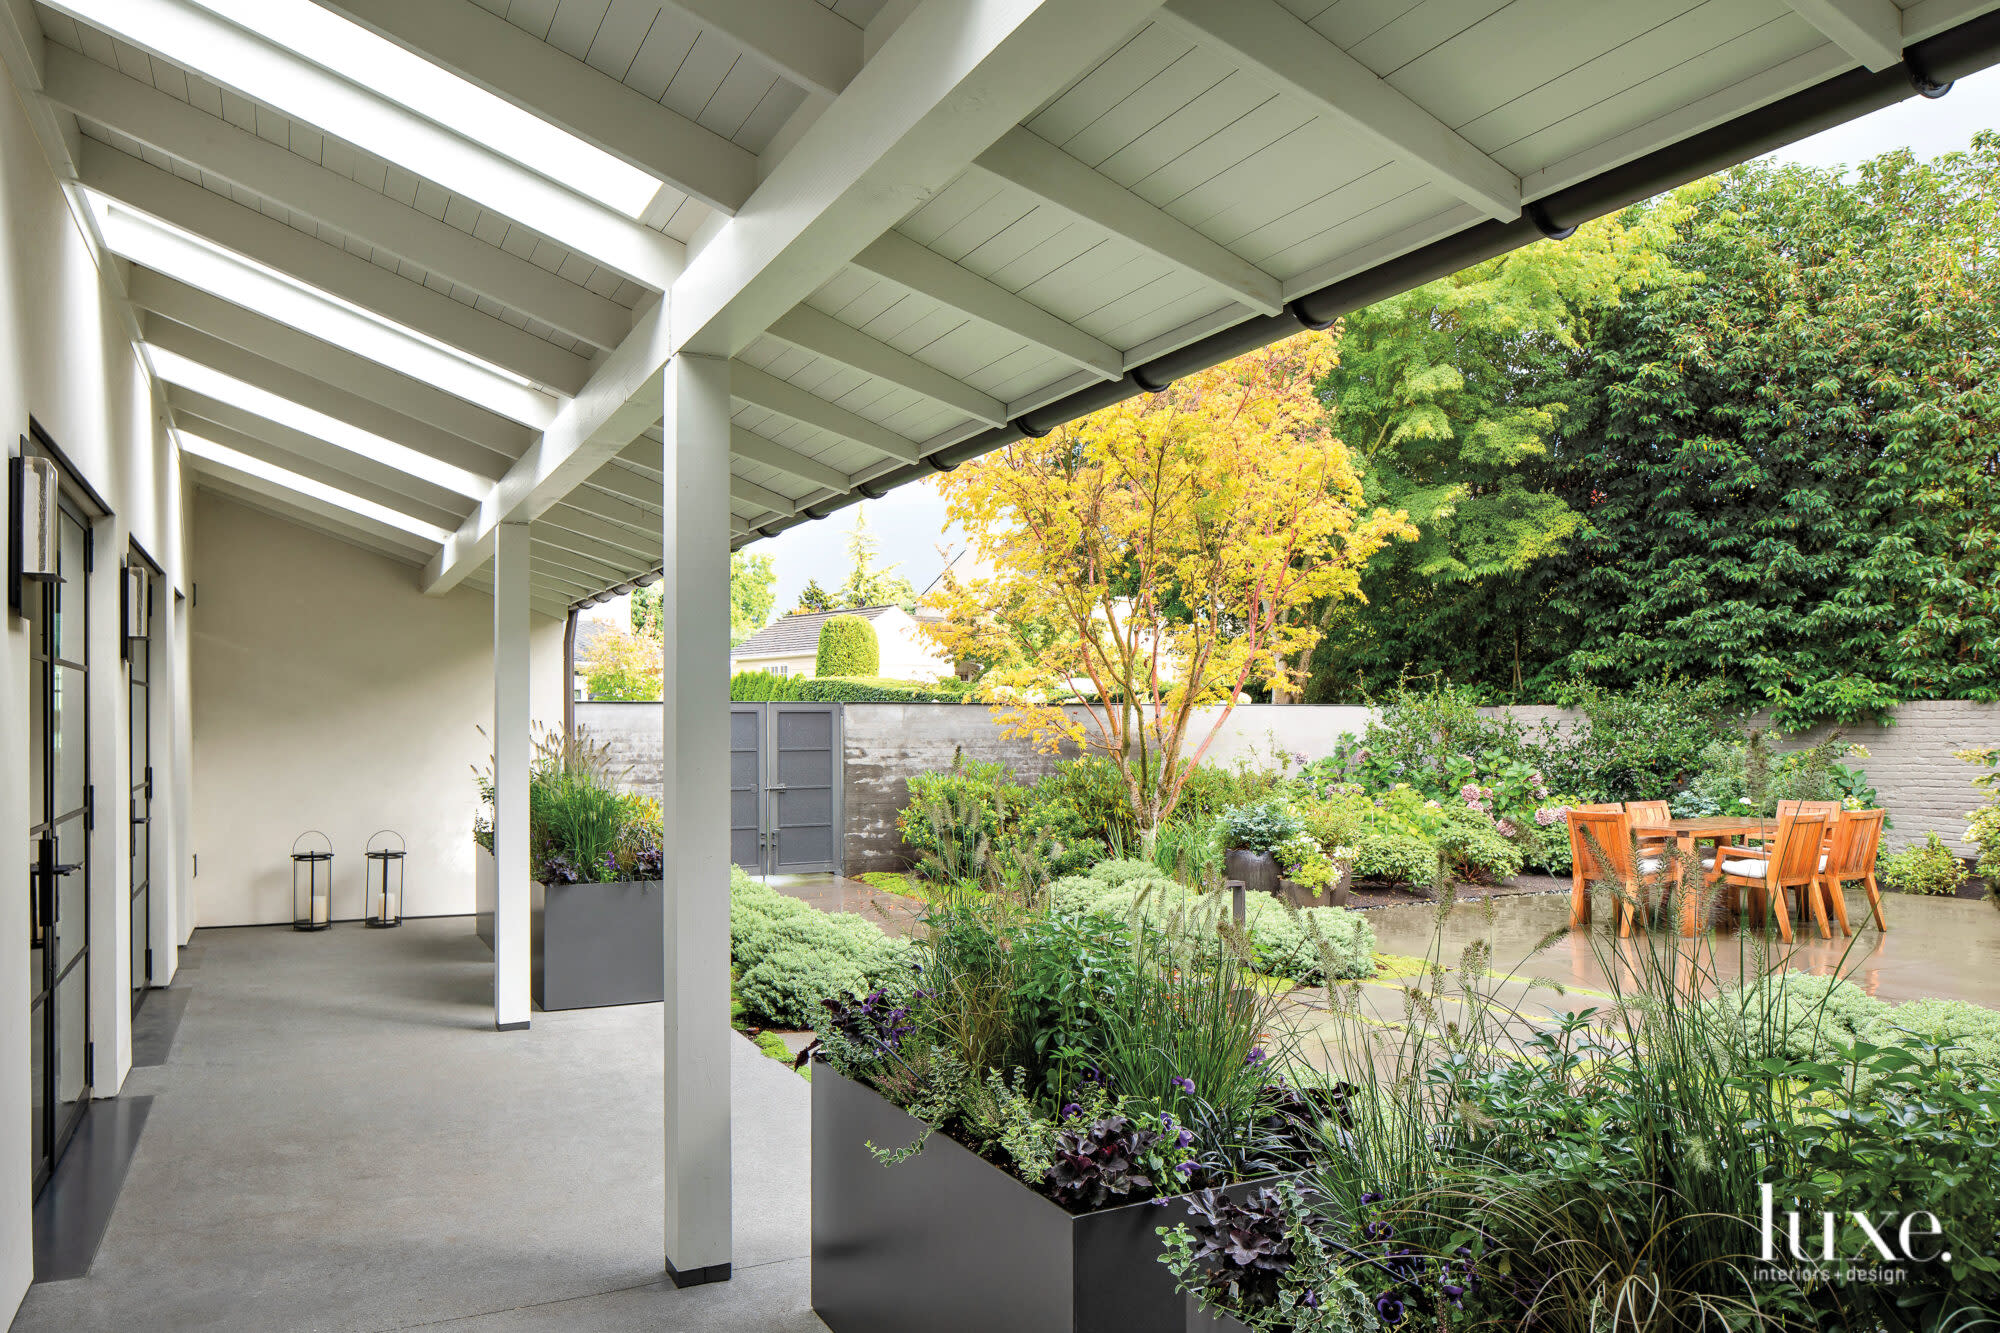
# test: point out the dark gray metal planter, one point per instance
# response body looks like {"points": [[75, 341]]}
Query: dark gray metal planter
{"points": [[1207, 1321], [597, 944], [1257, 870], [947, 1240]]}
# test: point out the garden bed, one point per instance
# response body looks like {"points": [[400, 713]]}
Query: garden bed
{"points": [[947, 1240]]}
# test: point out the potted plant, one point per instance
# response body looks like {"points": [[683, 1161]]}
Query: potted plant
{"points": [[999, 1136], [1251, 834], [1312, 876], [596, 911]]}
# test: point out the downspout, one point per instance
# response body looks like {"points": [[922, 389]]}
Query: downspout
{"points": [[1928, 68]]}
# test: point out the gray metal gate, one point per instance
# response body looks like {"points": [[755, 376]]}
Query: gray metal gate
{"points": [[785, 789]]}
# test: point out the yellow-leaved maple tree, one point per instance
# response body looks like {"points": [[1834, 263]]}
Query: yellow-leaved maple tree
{"points": [[1155, 558]]}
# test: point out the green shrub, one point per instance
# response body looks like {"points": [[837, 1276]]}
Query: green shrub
{"points": [[1282, 938], [789, 956], [1395, 858], [1926, 867], [1973, 1029], [1261, 826], [1798, 1015], [848, 647], [756, 687]]}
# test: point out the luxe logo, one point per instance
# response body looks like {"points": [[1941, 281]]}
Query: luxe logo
{"points": [[1907, 1233]]}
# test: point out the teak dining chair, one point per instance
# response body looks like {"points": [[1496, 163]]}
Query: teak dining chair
{"points": [[1850, 856], [1647, 815], [1601, 849], [1793, 862]]}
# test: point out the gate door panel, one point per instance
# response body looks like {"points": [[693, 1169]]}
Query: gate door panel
{"points": [[804, 745], [746, 783]]}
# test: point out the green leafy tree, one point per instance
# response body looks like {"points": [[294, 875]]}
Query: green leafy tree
{"points": [[751, 596], [848, 647], [813, 599], [867, 585]]}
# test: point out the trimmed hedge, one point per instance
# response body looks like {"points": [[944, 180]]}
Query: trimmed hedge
{"points": [[1281, 936], [788, 956], [756, 687], [848, 647]]}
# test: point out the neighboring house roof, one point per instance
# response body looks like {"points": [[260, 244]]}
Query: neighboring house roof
{"points": [[793, 636], [587, 632]]}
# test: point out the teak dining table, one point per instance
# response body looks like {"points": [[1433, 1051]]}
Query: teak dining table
{"points": [[1686, 834]]}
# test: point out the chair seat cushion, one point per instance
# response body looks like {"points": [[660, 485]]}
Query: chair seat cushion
{"points": [[1745, 869], [1649, 865]]}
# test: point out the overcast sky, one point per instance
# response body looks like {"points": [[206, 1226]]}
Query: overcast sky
{"points": [[909, 523]]}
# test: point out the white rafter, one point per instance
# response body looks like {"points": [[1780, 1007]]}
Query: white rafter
{"points": [[487, 50], [922, 269], [311, 391], [821, 334], [802, 39], [1869, 30], [1029, 162], [1275, 45], [144, 113], [167, 301], [245, 231], [754, 448], [950, 81], [749, 385], [197, 40]]}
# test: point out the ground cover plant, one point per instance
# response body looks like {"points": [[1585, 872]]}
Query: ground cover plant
{"points": [[788, 956]]}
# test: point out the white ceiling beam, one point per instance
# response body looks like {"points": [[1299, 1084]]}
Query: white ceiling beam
{"points": [[569, 583], [1869, 30], [560, 557], [802, 39], [594, 554], [905, 262], [1276, 46], [171, 301], [764, 498], [323, 465], [183, 401], [511, 63], [754, 448], [192, 37], [949, 81], [821, 334], [142, 112], [1029, 162], [310, 391], [616, 480], [749, 385], [581, 523], [270, 242], [382, 538], [593, 499]]}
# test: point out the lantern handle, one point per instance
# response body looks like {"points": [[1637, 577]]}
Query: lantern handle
{"points": [[401, 846], [312, 833]]}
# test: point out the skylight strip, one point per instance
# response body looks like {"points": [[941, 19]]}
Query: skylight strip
{"points": [[265, 71], [177, 369], [222, 455], [200, 263], [354, 52]]}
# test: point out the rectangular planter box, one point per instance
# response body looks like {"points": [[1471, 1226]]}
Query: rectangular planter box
{"points": [[593, 945], [485, 892], [947, 1240]]}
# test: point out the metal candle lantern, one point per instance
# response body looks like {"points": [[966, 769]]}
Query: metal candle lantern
{"points": [[312, 890], [385, 880]]}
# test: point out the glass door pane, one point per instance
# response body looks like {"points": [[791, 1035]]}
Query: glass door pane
{"points": [[72, 1035]]}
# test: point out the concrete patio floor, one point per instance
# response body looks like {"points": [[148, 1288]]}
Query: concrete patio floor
{"points": [[340, 1141]]}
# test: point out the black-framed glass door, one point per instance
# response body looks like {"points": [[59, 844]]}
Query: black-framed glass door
{"points": [[61, 813], [139, 671]]}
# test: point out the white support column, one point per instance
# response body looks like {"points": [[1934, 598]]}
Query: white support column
{"points": [[510, 775], [694, 812]]}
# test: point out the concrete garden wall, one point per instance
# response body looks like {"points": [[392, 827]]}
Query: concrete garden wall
{"points": [[1922, 786]]}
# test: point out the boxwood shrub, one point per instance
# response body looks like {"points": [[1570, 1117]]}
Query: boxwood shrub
{"points": [[1281, 936], [848, 647], [788, 956]]}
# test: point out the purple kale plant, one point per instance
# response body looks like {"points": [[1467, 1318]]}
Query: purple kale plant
{"points": [[1245, 1247]]}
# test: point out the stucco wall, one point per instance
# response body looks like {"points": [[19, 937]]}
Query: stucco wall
{"points": [[330, 693], [66, 359]]}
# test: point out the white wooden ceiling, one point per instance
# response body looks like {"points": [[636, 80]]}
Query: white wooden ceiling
{"points": [[1176, 169]]}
